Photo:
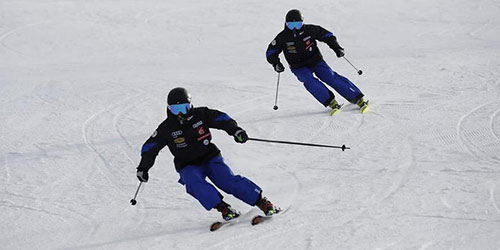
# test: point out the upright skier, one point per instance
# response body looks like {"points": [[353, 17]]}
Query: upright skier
{"points": [[187, 135], [298, 42]]}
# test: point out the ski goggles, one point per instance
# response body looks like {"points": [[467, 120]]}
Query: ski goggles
{"points": [[179, 108], [294, 25]]}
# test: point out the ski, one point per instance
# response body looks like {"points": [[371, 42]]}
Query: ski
{"points": [[220, 224], [255, 220], [261, 218]]}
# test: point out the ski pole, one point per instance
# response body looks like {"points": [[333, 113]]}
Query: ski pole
{"points": [[276, 99], [343, 147], [133, 201], [359, 71]]}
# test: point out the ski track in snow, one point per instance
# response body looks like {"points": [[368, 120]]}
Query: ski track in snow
{"points": [[117, 109], [3, 163], [322, 224], [129, 151], [495, 124], [98, 127], [403, 170], [4, 37], [329, 125], [480, 138], [492, 198]]}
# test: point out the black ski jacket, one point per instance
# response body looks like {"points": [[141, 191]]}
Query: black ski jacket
{"points": [[300, 47], [189, 142]]}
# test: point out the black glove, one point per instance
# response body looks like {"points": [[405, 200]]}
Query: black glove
{"points": [[339, 52], [278, 67], [240, 136], [142, 175]]}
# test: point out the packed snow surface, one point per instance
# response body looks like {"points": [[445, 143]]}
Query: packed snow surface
{"points": [[83, 85]]}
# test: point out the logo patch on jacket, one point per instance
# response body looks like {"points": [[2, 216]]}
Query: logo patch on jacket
{"points": [[176, 134], [179, 140], [200, 131], [203, 137], [290, 46], [197, 124], [309, 44]]}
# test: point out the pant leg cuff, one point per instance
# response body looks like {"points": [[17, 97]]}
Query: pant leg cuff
{"points": [[355, 100]]}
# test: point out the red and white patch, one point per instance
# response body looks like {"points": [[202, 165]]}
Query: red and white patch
{"points": [[201, 131]]}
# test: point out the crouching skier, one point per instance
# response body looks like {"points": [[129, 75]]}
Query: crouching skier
{"points": [[186, 132], [298, 42]]}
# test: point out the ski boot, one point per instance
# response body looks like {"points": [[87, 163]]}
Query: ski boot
{"points": [[266, 206], [228, 213], [363, 105], [335, 106]]}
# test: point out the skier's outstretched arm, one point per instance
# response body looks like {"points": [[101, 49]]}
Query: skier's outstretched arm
{"points": [[327, 37], [220, 120], [149, 151]]}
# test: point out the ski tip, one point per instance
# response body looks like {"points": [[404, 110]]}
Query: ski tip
{"points": [[260, 218], [215, 226], [256, 220], [334, 112], [364, 109]]}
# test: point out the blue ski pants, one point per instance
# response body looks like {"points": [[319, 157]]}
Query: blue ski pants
{"points": [[322, 70], [194, 179]]}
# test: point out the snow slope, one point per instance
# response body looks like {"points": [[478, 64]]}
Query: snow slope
{"points": [[83, 85]]}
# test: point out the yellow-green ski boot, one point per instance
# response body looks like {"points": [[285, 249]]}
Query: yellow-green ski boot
{"points": [[335, 106], [363, 105]]}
